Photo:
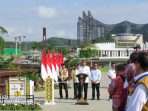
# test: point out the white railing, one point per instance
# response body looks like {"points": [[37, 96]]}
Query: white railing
{"points": [[115, 54]]}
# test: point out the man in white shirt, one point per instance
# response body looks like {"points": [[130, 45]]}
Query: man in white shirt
{"points": [[95, 80], [75, 81], [111, 73], [84, 69], [138, 100]]}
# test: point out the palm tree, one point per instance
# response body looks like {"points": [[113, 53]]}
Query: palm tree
{"points": [[3, 30], [2, 42], [87, 45]]}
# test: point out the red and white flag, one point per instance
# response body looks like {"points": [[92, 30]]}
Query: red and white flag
{"points": [[57, 64], [58, 60], [49, 65], [54, 72], [44, 74], [61, 58]]}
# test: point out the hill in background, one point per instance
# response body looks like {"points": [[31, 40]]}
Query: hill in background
{"points": [[51, 42], [122, 27], [127, 27]]}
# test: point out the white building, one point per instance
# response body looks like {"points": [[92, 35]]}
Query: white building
{"points": [[109, 52], [121, 49], [127, 40]]}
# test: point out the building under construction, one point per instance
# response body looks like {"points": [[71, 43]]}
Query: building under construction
{"points": [[88, 28]]}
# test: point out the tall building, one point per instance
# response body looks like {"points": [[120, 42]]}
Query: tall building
{"points": [[88, 28]]}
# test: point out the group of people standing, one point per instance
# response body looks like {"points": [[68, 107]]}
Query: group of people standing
{"points": [[93, 74], [128, 88]]}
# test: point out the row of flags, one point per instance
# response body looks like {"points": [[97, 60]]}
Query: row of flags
{"points": [[50, 64]]}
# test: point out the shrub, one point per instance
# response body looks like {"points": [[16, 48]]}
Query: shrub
{"points": [[19, 107], [87, 53]]}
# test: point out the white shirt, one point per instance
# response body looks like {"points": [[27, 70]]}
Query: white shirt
{"points": [[85, 70], [111, 73], [95, 75], [76, 78], [139, 98]]}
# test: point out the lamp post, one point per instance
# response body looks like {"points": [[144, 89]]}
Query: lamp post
{"points": [[15, 38], [22, 40], [18, 39]]}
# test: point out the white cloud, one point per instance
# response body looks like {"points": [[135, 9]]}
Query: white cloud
{"points": [[10, 30], [29, 30], [17, 31], [61, 33], [115, 14], [46, 12]]}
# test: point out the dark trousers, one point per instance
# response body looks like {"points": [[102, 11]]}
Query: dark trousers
{"points": [[61, 85], [81, 87], [97, 88], [76, 90], [118, 109]]}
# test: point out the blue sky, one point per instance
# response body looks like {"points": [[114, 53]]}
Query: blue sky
{"points": [[27, 17]]}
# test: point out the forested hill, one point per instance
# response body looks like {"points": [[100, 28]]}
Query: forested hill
{"points": [[127, 27]]}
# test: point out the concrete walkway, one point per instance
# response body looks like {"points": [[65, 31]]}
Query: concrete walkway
{"points": [[69, 104]]}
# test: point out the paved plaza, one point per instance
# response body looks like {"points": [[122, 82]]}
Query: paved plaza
{"points": [[69, 104]]}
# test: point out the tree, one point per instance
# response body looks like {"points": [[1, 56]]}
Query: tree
{"points": [[87, 45], [88, 52], [35, 45], [107, 38], [2, 44], [3, 30], [72, 62], [64, 50]]}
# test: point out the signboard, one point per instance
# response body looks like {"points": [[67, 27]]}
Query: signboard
{"points": [[21, 90], [31, 87], [17, 99], [17, 86]]}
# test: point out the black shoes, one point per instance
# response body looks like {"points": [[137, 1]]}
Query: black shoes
{"points": [[93, 99], [65, 97], [85, 99], [75, 97], [98, 98]]}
